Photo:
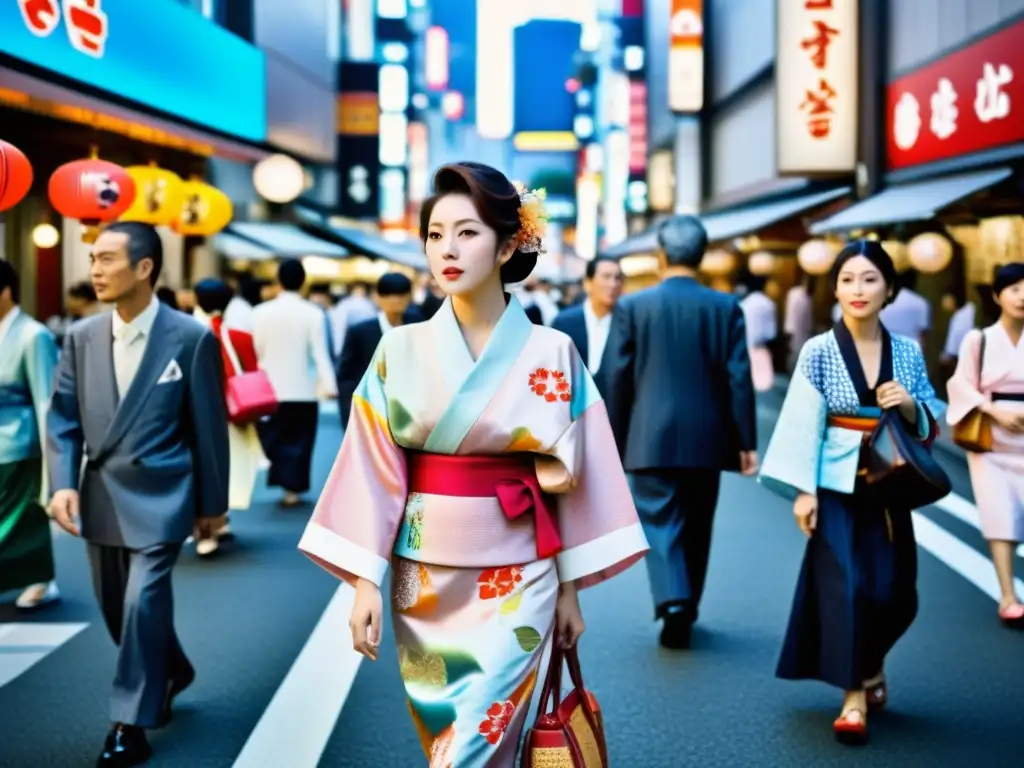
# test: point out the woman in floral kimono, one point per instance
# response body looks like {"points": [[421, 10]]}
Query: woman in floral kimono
{"points": [[990, 378], [480, 465], [856, 594]]}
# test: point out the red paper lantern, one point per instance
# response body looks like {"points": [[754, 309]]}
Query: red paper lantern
{"points": [[92, 191], [15, 175]]}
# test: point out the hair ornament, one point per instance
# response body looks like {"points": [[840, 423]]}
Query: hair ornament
{"points": [[533, 220]]}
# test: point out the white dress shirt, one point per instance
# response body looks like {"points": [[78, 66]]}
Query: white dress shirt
{"points": [[910, 314], [759, 315], [960, 324], [238, 314], [129, 342], [597, 335], [385, 326], [290, 337]]}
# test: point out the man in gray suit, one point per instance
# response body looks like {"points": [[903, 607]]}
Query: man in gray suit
{"points": [[675, 377], [139, 394]]}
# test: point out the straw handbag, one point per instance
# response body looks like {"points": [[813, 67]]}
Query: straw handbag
{"points": [[570, 734], [974, 432]]}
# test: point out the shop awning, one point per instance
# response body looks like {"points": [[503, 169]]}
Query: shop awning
{"points": [[286, 240], [234, 247], [918, 201], [735, 223], [408, 253]]}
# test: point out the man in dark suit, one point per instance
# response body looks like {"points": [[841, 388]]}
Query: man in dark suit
{"points": [[589, 322], [139, 394], [676, 380], [394, 297]]}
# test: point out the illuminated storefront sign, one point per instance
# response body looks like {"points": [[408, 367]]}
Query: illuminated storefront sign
{"points": [[686, 56], [156, 53], [969, 101], [816, 86]]}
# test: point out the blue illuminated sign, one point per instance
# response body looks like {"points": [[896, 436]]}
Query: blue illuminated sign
{"points": [[157, 53]]}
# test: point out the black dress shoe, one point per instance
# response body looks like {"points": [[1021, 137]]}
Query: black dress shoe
{"points": [[676, 631], [175, 686], [126, 746]]}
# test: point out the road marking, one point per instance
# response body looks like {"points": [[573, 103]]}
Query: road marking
{"points": [[962, 558], [23, 645], [297, 724], [965, 512]]}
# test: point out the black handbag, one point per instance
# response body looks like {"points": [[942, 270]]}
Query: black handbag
{"points": [[901, 471]]}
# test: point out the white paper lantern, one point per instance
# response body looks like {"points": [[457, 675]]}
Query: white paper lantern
{"points": [[718, 263], [899, 253], [45, 236], [279, 179], [761, 263], [930, 252], [816, 256]]}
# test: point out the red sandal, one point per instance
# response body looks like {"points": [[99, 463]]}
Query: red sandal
{"points": [[1012, 616], [852, 733]]}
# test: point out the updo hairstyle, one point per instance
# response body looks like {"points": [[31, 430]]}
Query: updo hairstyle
{"points": [[873, 251], [495, 199]]}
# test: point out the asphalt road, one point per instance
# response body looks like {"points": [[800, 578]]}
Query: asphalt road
{"points": [[268, 694]]}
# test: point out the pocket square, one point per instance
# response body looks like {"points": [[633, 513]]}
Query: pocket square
{"points": [[171, 373]]}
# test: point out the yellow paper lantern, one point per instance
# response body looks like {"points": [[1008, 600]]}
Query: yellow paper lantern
{"points": [[718, 263], [205, 210], [159, 195], [816, 256], [761, 263], [930, 252], [899, 253]]}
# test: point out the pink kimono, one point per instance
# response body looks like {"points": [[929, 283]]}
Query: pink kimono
{"points": [[998, 476], [477, 546]]}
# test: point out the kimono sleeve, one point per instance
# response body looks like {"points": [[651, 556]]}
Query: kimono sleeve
{"points": [[353, 528], [597, 520], [792, 463], [921, 389], [964, 387]]}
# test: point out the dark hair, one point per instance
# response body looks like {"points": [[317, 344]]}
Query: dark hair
{"points": [[213, 295], [1007, 275], [594, 262], [873, 251], [394, 284], [754, 282], [83, 291], [249, 288], [291, 274], [497, 202], [319, 288], [683, 240], [9, 279], [167, 296], [143, 243]]}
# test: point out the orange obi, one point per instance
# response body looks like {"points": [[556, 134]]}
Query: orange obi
{"points": [[857, 423]]}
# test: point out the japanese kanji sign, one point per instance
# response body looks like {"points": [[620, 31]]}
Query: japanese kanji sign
{"points": [[85, 23], [816, 86], [969, 101], [686, 56]]}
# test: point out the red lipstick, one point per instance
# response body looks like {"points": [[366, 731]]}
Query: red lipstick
{"points": [[452, 273]]}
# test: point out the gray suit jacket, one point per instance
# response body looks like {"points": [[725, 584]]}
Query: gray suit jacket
{"points": [[157, 459]]}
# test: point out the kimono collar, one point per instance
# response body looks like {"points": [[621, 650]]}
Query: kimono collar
{"points": [[848, 349]]}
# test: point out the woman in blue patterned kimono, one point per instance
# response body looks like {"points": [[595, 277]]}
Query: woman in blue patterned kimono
{"points": [[856, 594]]}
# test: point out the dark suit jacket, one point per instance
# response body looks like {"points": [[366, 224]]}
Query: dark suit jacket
{"points": [[159, 457], [573, 323], [675, 376], [361, 342]]}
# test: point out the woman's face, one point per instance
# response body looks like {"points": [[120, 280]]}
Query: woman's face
{"points": [[861, 289], [1011, 300], [462, 251]]}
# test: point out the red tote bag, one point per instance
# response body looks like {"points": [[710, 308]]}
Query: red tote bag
{"points": [[249, 395]]}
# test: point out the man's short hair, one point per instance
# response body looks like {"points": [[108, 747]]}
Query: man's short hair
{"points": [[595, 262], [291, 274], [9, 279], [683, 240], [394, 284], [143, 243]]}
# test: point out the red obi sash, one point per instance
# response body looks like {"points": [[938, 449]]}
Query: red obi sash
{"points": [[512, 479], [856, 423]]}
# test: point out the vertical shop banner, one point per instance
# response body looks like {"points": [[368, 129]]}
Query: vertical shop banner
{"points": [[686, 56], [637, 130], [969, 101], [358, 124], [816, 85]]}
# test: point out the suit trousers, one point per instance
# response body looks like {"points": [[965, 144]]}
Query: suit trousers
{"points": [[677, 510], [134, 592]]}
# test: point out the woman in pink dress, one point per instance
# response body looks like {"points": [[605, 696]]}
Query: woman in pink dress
{"points": [[990, 377]]}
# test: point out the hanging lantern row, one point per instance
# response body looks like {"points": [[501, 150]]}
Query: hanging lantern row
{"points": [[97, 192]]}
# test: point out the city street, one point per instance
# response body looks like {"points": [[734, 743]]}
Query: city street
{"points": [[273, 693]]}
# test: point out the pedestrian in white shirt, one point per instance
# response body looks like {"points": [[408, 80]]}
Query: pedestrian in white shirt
{"points": [[760, 316], [290, 337], [910, 314], [588, 323]]}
